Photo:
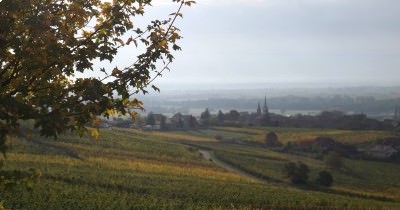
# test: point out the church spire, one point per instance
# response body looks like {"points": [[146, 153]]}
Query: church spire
{"points": [[259, 109], [265, 108]]}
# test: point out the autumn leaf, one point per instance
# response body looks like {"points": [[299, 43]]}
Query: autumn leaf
{"points": [[95, 133]]}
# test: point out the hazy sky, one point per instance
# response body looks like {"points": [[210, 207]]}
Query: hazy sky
{"points": [[287, 41]]}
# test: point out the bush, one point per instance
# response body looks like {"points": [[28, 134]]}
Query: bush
{"points": [[324, 179], [271, 140], [298, 173]]}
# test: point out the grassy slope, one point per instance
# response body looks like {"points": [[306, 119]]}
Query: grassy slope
{"points": [[130, 169], [358, 177], [293, 134]]}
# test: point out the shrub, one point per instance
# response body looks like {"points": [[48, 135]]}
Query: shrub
{"points": [[298, 173], [271, 140]]}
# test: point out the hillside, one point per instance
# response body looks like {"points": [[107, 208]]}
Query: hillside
{"points": [[133, 169]]}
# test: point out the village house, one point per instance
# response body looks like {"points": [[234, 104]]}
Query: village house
{"points": [[180, 121], [381, 151], [155, 122]]}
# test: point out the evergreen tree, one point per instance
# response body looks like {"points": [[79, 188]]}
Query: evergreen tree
{"points": [[220, 117], [259, 113], [205, 117], [234, 115], [163, 123], [192, 122], [150, 120]]}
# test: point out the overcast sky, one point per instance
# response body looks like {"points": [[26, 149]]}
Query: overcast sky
{"points": [[287, 41]]}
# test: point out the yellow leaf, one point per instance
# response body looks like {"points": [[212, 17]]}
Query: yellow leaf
{"points": [[119, 113], [133, 115], [95, 133], [110, 112], [163, 43]]}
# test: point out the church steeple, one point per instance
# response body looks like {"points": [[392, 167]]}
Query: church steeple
{"points": [[265, 108], [259, 109], [265, 120]]}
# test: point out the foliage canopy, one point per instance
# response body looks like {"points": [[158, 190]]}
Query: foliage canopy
{"points": [[272, 140], [45, 43], [298, 173]]}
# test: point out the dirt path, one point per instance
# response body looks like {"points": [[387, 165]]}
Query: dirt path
{"points": [[209, 155]]}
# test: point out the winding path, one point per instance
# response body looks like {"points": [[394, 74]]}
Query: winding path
{"points": [[209, 155]]}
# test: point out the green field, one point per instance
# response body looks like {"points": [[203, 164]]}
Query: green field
{"points": [[257, 134], [133, 169]]}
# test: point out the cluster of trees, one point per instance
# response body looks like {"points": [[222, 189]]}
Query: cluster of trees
{"points": [[331, 120], [337, 120], [342, 102], [326, 119], [298, 173], [206, 119], [321, 146], [366, 104], [151, 120]]}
